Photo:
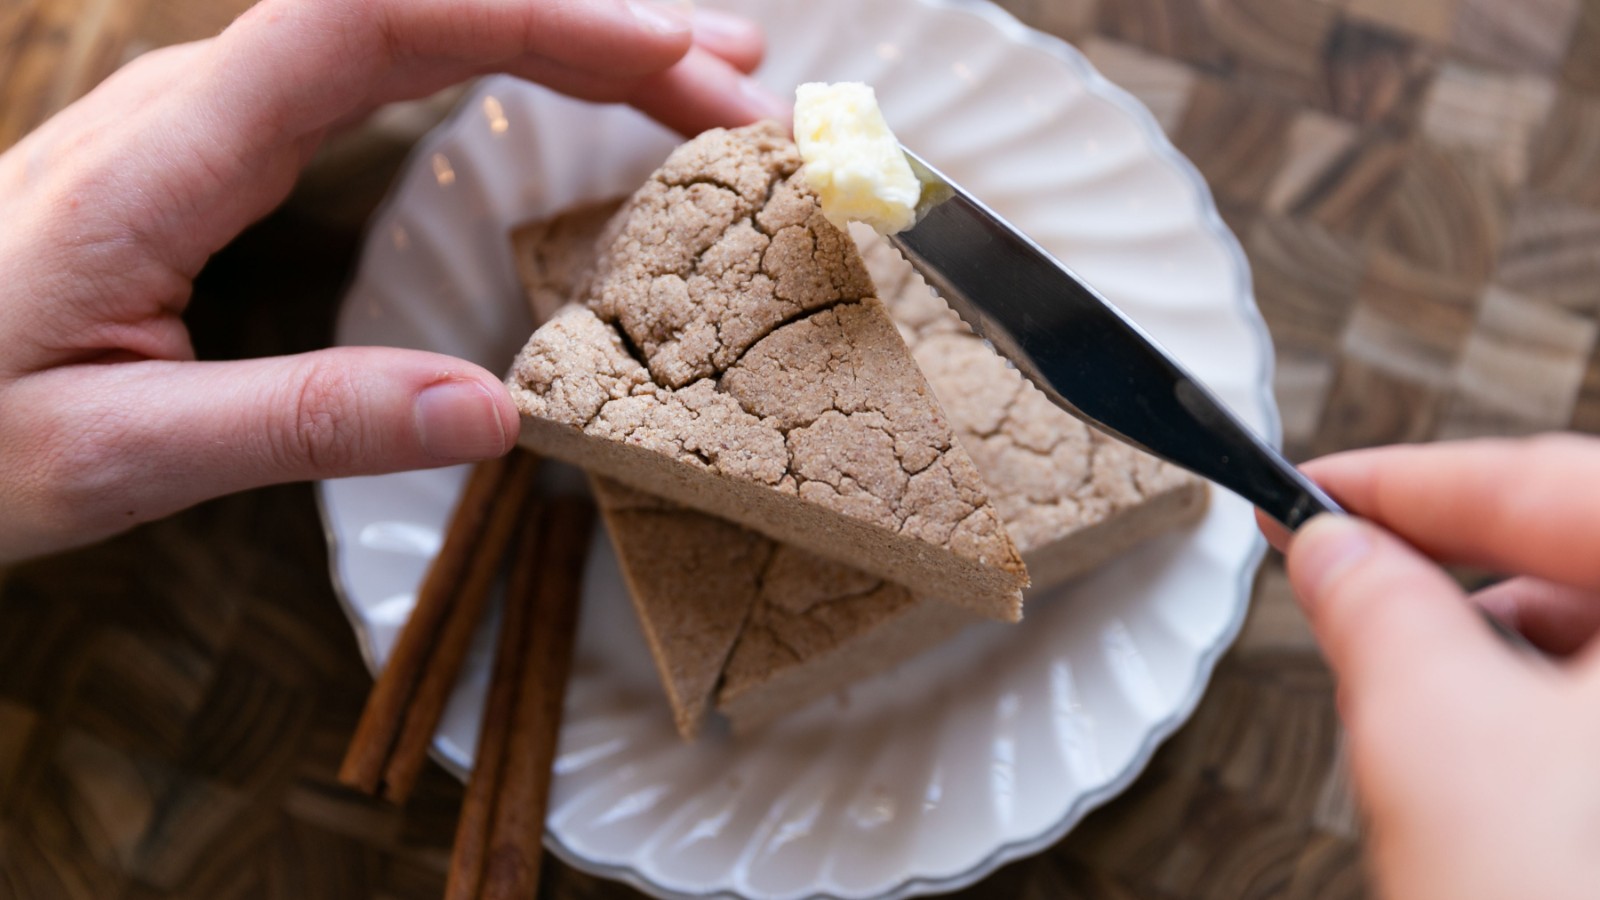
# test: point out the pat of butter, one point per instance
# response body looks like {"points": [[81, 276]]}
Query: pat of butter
{"points": [[852, 159]]}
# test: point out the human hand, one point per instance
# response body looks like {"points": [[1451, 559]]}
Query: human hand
{"points": [[112, 207], [1475, 764]]}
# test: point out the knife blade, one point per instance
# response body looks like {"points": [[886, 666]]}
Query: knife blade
{"points": [[1085, 354], [1093, 361]]}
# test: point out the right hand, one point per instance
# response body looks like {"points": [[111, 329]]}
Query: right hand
{"points": [[1477, 766]]}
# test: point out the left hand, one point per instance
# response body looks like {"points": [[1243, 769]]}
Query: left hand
{"points": [[111, 207]]}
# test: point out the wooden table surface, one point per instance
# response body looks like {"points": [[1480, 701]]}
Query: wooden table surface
{"points": [[1416, 182]]}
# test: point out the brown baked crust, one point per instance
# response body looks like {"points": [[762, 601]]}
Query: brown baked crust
{"points": [[692, 590], [730, 355], [818, 626]]}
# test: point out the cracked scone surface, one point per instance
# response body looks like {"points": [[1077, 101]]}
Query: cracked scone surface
{"points": [[816, 627], [1059, 485], [730, 353]]}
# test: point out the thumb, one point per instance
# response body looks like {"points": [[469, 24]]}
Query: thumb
{"points": [[1386, 617], [326, 414], [139, 440]]}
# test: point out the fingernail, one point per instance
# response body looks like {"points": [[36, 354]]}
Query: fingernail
{"points": [[714, 23], [458, 421], [764, 104], [670, 17], [1322, 550]]}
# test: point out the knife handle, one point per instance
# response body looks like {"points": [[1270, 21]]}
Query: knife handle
{"points": [[1311, 500], [1286, 494]]}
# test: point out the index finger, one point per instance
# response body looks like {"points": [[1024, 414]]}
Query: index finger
{"points": [[307, 64], [231, 134], [1527, 506]]}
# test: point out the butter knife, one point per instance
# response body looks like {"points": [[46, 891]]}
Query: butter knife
{"points": [[1093, 361], [1084, 354]]}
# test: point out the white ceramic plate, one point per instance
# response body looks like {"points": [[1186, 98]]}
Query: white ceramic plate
{"points": [[985, 750]]}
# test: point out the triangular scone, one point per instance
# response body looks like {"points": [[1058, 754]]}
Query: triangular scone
{"points": [[759, 626], [729, 354], [693, 591]]}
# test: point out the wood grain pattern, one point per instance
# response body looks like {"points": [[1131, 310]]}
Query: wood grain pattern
{"points": [[1430, 20], [1447, 213], [1528, 34], [1302, 381], [1581, 67], [54, 51], [1586, 411], [1491, 115], [1521, 368], [1171, 28], [1562, 161], [1552, 251], [1239, 139], [1368, 406], [1375, 74], [1306, 280], [1349, 190], [1409, 320], [1276, 45], [1416, 183]]}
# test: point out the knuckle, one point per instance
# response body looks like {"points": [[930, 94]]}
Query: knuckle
{"points": [[81, 475], [323, 429], [361, 28], [1551, 453]]}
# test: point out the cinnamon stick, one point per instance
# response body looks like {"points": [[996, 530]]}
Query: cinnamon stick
{"points": [[383, 715], [511, 654], [512, 866], [438, 678]]}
